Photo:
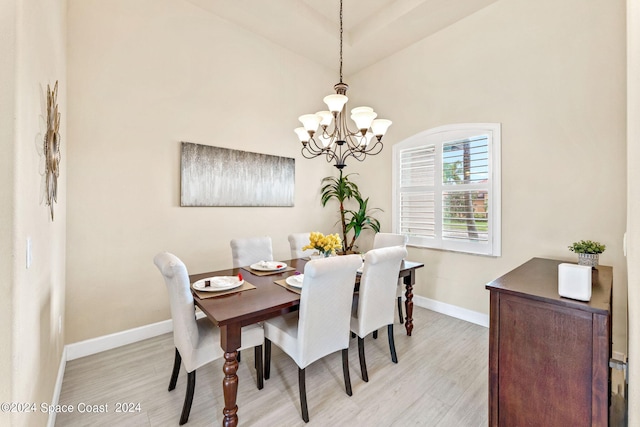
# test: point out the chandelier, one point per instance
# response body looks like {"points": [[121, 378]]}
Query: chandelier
{"points": [[327, 132]]}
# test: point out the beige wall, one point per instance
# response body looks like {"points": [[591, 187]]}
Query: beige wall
{"points": [[553, 73], [35, 296], [7, 170], [633, 211], [144, 76]]}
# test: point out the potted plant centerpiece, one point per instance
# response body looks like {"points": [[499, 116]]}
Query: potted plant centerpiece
{"points": [[588, 252], [342, 189]]}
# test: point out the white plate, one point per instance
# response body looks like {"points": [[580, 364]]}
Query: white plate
{"points": [[218, 283], [295, 281], [268, 266]]}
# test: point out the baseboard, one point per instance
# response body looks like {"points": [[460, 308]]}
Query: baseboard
{"points": [[118, 339], [58, 387], [104, 343], [452, 310]]}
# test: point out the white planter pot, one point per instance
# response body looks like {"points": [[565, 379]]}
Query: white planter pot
{"points": [[590, 260]]}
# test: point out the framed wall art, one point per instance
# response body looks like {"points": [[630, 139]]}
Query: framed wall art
{"points": [[215, 176]]}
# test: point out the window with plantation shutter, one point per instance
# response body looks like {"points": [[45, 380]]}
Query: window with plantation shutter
{"points": [[447, 188]]}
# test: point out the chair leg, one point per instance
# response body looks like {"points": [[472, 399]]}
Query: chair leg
{"points": [[238, 356], [363, 362], [267, 358], [400, 310], [392, 345], [257, 351], [375, 334], [176, 370], [345, 370], [303, 395], [188, 398]]}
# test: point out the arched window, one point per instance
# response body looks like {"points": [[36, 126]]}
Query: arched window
{"points": [[446, 184]]}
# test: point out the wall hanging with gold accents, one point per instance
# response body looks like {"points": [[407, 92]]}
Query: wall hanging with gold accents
{"points": [[52, 147]]}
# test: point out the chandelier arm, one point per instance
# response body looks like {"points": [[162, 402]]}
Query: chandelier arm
{"points": [[353, 141], [315, 147], [375, 149], [311, 151], [372, 149]]}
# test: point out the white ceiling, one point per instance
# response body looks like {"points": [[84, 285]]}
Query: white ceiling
{"points": [[373, 29]]}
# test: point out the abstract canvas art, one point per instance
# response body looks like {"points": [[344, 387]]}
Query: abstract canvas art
{"points": [[215, 176]]}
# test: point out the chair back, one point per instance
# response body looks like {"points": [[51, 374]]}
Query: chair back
{"points": [[384, 240], [249, 250], [325, 306], [378, 288], [297, 241], [185, 328]]}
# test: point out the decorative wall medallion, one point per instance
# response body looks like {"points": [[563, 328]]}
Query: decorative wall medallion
{"points": [[52, 147]]}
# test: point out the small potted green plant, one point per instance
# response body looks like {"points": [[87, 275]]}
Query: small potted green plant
{"points": [[588, 252]]}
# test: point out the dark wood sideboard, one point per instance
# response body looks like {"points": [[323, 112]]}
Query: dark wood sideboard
{"points": [[548, 355]]}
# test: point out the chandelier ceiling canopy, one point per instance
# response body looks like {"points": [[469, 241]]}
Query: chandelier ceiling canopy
{"points": [[327, 132]]}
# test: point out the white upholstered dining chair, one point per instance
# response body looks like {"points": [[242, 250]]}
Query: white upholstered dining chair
{"points": [[385, 240], [296, 242], [197, 342], [373, 305], [249, 250], [321, 325]]}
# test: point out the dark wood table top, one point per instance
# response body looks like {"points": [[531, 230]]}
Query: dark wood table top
{"points": [[266, 301], [538, 279], [248, 307]]}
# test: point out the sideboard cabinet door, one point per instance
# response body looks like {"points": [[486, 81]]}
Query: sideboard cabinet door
{"points": [[548, 356]]}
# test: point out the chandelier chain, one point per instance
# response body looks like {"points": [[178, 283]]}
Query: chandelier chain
{"points": [[327, 133], [340, 41]]}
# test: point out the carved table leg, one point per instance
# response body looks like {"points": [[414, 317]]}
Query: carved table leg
{"points": [[408, 304], [230, 342], [230, 387]]}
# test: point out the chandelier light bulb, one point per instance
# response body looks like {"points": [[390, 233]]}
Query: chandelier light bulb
{"points": [[361, 109], [363, 118], [302, 133], [325, 142], [379, 127], [366, 139], [335, 102], [310, 122], [325, 118]]}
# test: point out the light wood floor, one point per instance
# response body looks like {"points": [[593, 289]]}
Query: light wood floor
{"points": [[441, 379]]}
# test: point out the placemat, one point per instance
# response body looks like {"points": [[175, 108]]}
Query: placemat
{"points": [[246, 286], [267, 273], [285, 285]]}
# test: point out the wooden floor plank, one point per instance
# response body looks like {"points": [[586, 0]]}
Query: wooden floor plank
{"points": [[440, 380]]}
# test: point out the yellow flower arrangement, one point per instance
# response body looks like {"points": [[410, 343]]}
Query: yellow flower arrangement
{"points": [[326, 245]]}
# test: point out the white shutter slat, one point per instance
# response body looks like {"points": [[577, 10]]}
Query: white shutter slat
{"points": [[465, 216], [417, 210], [417, 166], [465, 161]]}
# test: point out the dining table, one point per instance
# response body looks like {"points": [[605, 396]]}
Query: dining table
{"points": [[232, 311]]}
